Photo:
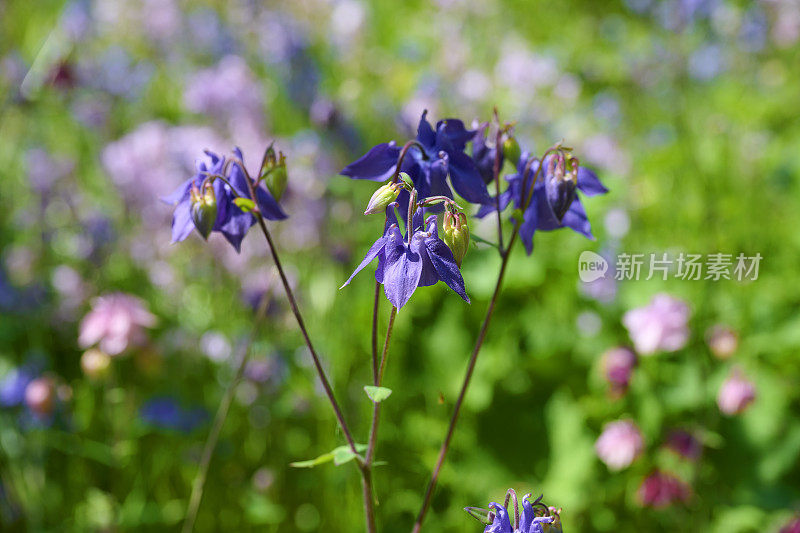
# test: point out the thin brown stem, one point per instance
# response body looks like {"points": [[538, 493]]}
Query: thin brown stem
{"points": [[365, 474], [375, 307], [526, 196], [376, 410]]}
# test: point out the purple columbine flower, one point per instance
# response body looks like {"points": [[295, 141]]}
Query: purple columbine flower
{"points": [[484, 153], [539, 214], [231, 221], [536, 517], [404, 266], [440, 154]]}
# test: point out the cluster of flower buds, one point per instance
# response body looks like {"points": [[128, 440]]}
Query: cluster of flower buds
{"points": [[561, 180], [203, 208], [536, 517], [273, 172]]}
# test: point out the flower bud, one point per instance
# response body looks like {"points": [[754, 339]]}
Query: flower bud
{"points": [[511, 149], [722, 340], [203, 209], [40, 396], [560, 183], [276, 177], [456, 234], [95, 364], [381, 198]]}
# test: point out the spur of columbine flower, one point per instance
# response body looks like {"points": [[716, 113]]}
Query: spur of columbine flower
{"points": [[208, 201], [484, 152], [403, 266], [554, 203], [435, 155], [536, 517]]}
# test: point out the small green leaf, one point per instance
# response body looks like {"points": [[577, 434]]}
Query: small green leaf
{"points": [[245, 204], [339, 456], [377, 394]]}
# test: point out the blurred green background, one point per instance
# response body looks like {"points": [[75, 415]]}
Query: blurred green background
{"points": [[686, 109]]}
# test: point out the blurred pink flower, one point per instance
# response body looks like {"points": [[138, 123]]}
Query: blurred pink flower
{"points": [[722, 341], [684, 443], [792, 527], [736, 394], [116, 321], [40, 396], [620, 444], [660, 325], [662, 490], [618, 364]]}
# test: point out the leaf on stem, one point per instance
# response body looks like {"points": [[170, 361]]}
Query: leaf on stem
{"points": [[377, 394]]}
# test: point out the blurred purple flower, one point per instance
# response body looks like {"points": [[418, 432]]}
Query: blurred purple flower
{"points": [[229, 90], [442, 154], [661, 490], [620, 444], [166, 413], [14, 383], [685, 444], [735, 394], [402, 267], [618, 364], [659, 326], [115, 322]]}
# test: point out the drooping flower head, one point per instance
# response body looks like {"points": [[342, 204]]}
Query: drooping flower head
{"points": [[553, 203], [620, 444], [736, 394], [536, 517], [207, 200], [403, 266], [116, 322], [659, 326], [436, 155]]}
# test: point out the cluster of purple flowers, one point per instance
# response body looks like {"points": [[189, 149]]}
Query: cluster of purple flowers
{"points": [[436, 160]]}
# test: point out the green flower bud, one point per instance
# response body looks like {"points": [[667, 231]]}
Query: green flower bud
{"points": [[381, 198], [276, 176], [511, 149], [203, 209], [456, 234]]}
